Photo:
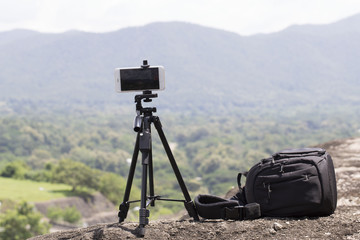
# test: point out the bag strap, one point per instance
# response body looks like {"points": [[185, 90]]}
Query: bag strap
{"points": [[239, 178], [213, 207]]}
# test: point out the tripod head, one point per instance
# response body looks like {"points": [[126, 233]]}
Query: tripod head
{"points": [[147, 96]]}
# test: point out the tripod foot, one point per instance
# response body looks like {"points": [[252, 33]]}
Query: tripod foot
{"points": [[190, 207], [123, 210], [140, 231]]}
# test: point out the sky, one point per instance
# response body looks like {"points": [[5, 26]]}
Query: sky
{"points": [[245, 17]]}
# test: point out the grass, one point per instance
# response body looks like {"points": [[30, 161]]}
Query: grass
{"points": [[30, 191]]}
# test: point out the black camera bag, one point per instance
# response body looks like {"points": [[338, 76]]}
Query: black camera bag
{"points": [[291, 183], [296, 182]]}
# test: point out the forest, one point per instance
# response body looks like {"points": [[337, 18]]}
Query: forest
{"points": [[209, 149]]}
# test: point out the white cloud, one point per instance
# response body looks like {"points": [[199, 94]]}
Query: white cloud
{"points": [[241, 16], [17, 13]]}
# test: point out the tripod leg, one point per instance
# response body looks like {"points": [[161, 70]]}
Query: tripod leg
{"points": [[190, 207], [124, 206], [145, 148], [143, 212], [151, 178]]}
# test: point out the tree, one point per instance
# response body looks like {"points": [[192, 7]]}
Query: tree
{"points": [[113, 187], [75, 174], [22, 223], [15, 169]]}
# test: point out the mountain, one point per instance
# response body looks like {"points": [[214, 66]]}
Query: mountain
{"points": [[206, 68]]}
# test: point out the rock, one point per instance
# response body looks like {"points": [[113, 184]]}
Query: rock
{"points": [[277, 226], [272, 231]]}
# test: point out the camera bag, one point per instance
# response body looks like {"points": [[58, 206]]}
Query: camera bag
{"points": [[295, 182], [291, 183]]}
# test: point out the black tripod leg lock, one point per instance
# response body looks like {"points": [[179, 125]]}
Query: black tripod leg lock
{"points": [[143, 216], [190, 207], [123, 210]]}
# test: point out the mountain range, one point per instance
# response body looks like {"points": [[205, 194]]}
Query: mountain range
{"points": [[206, 68]]}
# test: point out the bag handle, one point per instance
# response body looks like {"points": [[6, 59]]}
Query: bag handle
{"points": [[301, 152], [239, 178], [213, 207]]}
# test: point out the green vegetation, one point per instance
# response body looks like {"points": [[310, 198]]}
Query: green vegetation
{"points": [[31, 191], [22, 223], [69, 214], [75, 174], [87, 150], [77, 178], [55, 214], [15, 170], [212, 148]]}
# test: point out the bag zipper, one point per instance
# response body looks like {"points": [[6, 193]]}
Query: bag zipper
{"points": [[267, 186], [269, 192]]}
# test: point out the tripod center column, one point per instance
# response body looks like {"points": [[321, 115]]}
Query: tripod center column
{"points": [[145, 140]]}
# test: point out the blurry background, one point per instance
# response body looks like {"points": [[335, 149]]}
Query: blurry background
{"points": [[244, 79]]}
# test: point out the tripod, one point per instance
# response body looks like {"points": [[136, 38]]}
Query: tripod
{"points": [[142, 125]]}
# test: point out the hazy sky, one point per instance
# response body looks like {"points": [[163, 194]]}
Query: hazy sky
{"points": [[245, 17]]}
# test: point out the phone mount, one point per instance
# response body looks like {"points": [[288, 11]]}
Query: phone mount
{"points": [[142, 125]]}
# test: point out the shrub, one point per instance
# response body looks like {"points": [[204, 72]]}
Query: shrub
{"points": [[54, 213], [15, 169], [69, 214], [22, 223]]}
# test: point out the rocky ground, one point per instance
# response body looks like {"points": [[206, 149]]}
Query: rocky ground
{"points": [[343, 224]]}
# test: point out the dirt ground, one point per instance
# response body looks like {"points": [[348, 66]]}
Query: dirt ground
{"points": [[343, 224]]}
